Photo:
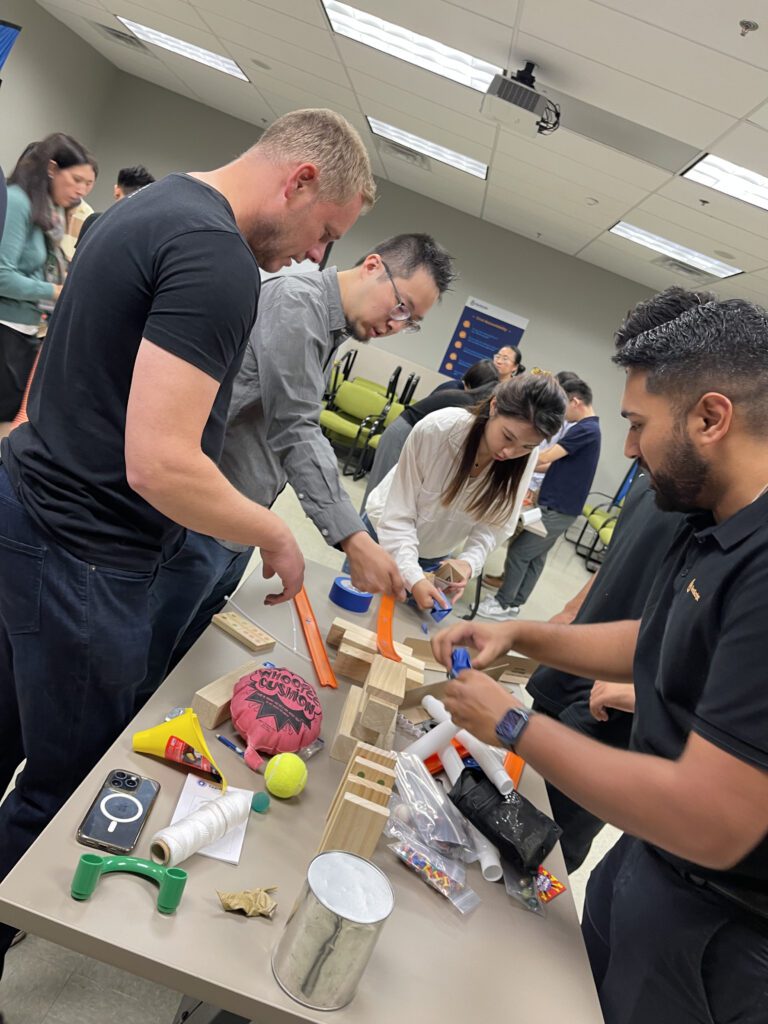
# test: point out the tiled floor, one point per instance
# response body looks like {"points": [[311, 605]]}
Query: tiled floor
{"points": [[46, 984]]}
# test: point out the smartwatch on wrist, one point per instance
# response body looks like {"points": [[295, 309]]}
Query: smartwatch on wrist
{"points": [[512, 726]]}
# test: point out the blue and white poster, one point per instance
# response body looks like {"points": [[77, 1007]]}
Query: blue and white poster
{"points": [[481, 331]]}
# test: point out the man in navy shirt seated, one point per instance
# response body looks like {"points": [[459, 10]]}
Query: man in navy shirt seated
{"points": [[570, 469]]}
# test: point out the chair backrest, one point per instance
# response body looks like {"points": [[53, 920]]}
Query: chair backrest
{"points": [[372, 385], [392, 386], [410, 389], [395, 409], [358, 402]]}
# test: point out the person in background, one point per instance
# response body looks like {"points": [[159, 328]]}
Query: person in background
{"points": [[129, 180], [570, 466], [459, 480], [51, 175], [508, 362], [474, 387], [676, 914], [126, 424], [75, 216], [273, 435]]}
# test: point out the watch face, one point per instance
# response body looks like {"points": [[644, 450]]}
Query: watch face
{"points": [[511, 726]]}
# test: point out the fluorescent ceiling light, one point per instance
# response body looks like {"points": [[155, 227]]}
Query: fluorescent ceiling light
{"points": [[406, 45], [739, 182], [202, 56], [446, 156], [678, 252]]}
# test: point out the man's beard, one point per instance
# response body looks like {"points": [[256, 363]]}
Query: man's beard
{"points": [[683, 479], [358, 332], [264, 238]]}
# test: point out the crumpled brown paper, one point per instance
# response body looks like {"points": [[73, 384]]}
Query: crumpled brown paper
{"points": [[252, 902]]}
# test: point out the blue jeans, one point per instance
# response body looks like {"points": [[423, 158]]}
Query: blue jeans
{"points": [[73, 649], [189, 589]]}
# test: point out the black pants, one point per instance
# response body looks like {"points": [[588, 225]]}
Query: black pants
{"points": [[666, 951], [17, 357]]}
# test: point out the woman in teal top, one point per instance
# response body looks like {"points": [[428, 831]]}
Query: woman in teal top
{"points": [[50, 175]]}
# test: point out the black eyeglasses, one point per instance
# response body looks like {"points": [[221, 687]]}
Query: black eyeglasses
{"points": [[401, 312]]}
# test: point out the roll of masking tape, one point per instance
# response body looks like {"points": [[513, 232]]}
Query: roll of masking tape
{"points": [[348, 597]]}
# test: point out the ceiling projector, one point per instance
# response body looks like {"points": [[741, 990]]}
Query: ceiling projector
{"points": [[515, 104]]}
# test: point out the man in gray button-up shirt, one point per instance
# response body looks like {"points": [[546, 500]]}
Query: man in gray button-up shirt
{"points": [[273, 434]]}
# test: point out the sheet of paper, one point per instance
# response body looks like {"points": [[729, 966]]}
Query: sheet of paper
{"points": [[197, 792]]}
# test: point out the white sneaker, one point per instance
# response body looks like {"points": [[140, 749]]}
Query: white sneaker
{"points": [[491, 609]]}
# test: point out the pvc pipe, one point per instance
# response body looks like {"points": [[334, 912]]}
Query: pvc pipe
{"points": [[433, 740], [482, 753]]}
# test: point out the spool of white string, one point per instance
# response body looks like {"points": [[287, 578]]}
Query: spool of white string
{"points": [[173, 844]]}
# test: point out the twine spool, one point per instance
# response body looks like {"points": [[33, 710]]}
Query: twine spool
{"points": [[175, 843]]}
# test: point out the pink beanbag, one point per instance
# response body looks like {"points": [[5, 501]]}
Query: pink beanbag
{"points": [[275, 711]]}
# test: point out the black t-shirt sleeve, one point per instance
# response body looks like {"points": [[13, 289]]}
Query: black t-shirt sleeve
{"points": [[198, 312], [733, 707]]}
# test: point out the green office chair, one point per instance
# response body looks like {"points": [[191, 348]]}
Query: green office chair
{"points": [[356, 410]]}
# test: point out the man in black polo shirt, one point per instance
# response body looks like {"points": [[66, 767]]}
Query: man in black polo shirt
{"points": [[676, 916], [570, 469], [617, 591], [126, 424]]}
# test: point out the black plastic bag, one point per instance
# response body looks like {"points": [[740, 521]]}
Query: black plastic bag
{"points": [[522, 833]]}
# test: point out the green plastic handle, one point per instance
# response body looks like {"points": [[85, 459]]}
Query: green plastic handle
{"points": [[91, 867]]}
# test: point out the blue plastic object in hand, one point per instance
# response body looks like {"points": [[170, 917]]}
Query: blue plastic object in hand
{"points": [[459, 661], [438, 613]]}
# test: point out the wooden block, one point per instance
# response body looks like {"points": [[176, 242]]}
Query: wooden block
{"points": [[356, 826], [344, 742], [387, 758], [416, 714], [211, 702], [246, 632], [377, 714], [360, 767], [414, 694], [386, 679], [340, 627], [422, 649], [449, 572], [354, 662]]}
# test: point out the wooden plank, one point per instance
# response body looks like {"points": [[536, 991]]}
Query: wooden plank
{"points": [[250, 635], [355, 662], [386, 680], [414, 694], [360, 769], [377, 714], [344, 742], [211, 702], [339, 627], [422, 649], [355, 827]]}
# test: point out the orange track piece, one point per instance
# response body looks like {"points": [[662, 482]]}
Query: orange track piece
{"points": [[513, 766], [384, 628], [317, 651]]}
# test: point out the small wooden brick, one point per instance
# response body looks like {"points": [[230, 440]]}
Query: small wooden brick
{"points": [[341, 627], [344, 743], [386, 679], [251, 636], [211, 702], [355, 662], [363, 770], [377, 714], [356, 826]]}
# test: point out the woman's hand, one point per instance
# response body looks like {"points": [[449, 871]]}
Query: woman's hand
{"points": [[425, 594]]}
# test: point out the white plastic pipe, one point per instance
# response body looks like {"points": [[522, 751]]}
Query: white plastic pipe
{"points": [[488, 855], [483, 754], [433, 740]]}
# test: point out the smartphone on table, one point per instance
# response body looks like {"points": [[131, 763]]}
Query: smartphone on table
{"points": [[116, 817]]}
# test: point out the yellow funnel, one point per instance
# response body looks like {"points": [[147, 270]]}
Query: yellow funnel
{"points": [[181, 741]]}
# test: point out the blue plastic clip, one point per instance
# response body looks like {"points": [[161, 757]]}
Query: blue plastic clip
{"points": [[438, 613], [459, 661]]}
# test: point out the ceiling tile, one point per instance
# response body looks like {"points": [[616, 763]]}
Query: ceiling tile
{"points": [[475, 128], [448, 24], [198, 34], [647, 53], [746, 145], [713, 25], [536, 221], [359, 57], [752, 287], [537, 163], [223, 92], [284, 57], [243, 10], [177, 10], [631, 98], [254, 20], [568, 148], [425, 130], [443, 184], [727, 220], [572, 205], [94, 11], [504, 11], [315, 91], [622, 261]]}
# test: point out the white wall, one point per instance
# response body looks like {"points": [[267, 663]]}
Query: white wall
{"points": [[53, 80]]}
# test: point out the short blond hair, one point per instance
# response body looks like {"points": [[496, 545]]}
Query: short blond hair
{"points": [[327, 139]]}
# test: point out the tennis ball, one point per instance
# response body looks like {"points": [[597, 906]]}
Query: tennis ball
{"points": [[285, 775]]}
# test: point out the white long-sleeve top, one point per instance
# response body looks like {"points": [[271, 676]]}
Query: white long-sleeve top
{"points": [[406, 509]]}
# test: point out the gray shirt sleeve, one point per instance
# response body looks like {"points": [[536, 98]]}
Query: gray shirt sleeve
{"points": [[291, 346]]}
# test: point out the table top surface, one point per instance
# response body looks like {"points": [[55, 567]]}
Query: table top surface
{"points": [[500, 956]]}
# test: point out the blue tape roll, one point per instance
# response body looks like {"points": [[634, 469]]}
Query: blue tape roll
{"points": [[459, 661], [347, 597]]}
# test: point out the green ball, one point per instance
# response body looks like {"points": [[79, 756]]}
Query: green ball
{"points": [[285, 775]]}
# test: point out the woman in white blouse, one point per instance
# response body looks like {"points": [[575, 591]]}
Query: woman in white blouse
{"points": [[460, 482]]}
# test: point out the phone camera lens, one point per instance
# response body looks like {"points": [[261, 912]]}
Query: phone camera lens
{"points": [[120, 775], [131, 782], [117, 783]]}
